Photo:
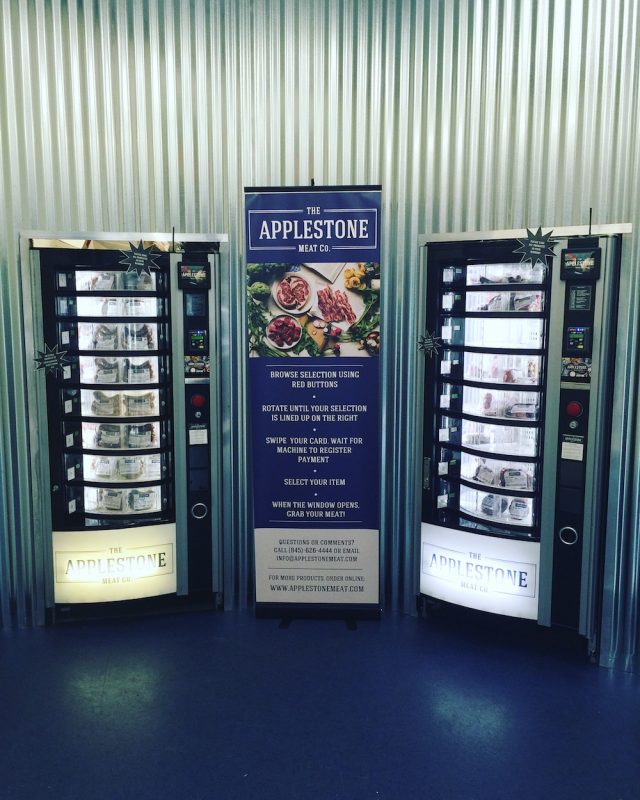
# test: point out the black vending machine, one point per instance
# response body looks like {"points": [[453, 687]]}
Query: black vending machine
{"points": [[126, 339], [521, 330]]}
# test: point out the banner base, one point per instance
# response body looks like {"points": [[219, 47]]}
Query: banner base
{"points": [[314, 611]]}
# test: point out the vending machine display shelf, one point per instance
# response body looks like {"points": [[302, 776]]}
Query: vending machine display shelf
{"points": [[88, 280], [508, 273], [460, 520], [490, 303], [96, 403], [498, 507], [123, 501], [509, 404], [141, 418], [501, 333], [126, 337], [114, 437], [118, 483], [91, 306], [503, 385], [521, 409], [496, 489], [507, 473], [516, 369], [496, 438], [465, 349], [125, 468], [509, 448], [517, 287], [148, 370], [123, 451], [133, 293], [491, 420], [470, 523], [108, 387], [498, 513], [141, 485], [118, 351], [495, 315]]}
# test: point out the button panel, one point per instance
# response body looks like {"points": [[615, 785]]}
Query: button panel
{"points": [[573, 431], [194, 275]]}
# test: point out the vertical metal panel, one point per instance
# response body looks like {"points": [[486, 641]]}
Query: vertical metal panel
{"points": [[143, 115], [620, 646]]}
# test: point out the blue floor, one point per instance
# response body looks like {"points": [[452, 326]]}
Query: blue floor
{"points": [[227, 706]]}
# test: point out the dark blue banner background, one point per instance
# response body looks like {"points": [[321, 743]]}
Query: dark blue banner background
{"points": [[315, 442], [315, 408], [320, 225]]}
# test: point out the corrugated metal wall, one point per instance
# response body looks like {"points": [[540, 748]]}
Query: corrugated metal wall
{"points": [[132, 115]]}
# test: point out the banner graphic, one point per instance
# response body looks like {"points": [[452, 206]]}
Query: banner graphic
{"points": [[314, 340]]}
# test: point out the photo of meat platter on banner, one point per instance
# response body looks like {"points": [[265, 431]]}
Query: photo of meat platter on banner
{"points": [[314, 309], [313, 315]]}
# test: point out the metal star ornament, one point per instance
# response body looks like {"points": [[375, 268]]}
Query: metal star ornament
{"points": [[430, 343], [51, 360], [139, 259], [536, 247]]}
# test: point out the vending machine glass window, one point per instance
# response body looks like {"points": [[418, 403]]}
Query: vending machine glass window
{"points": [[109, 409], [113, 394], [485, 389], [483, 439]]}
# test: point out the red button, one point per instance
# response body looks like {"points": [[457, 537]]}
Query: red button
{"points": [[198, 401], [574, 409]]}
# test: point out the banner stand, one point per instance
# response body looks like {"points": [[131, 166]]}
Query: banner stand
{"points": [[313, 315]]}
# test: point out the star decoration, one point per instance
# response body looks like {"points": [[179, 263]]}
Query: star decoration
{"points": [[536, 247], [51, 360], [139, 259], [430, 343]]}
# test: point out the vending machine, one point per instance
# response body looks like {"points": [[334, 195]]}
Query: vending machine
{"points": [[519, 346], [127, 418]]}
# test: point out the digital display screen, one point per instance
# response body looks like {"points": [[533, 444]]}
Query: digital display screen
{"points": [[198, 340], [580, 264], [194, 276], [578, 340]]}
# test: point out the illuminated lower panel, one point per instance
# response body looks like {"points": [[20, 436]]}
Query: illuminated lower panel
{"points": [[481, 572], [123, 564]]}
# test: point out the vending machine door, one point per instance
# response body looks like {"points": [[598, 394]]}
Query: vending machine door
{"points": [[516, 412], [130, 499], [484, 407], [109, 409]]}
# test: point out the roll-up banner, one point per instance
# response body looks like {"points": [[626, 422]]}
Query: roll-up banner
{"points": [[313, 300]]}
